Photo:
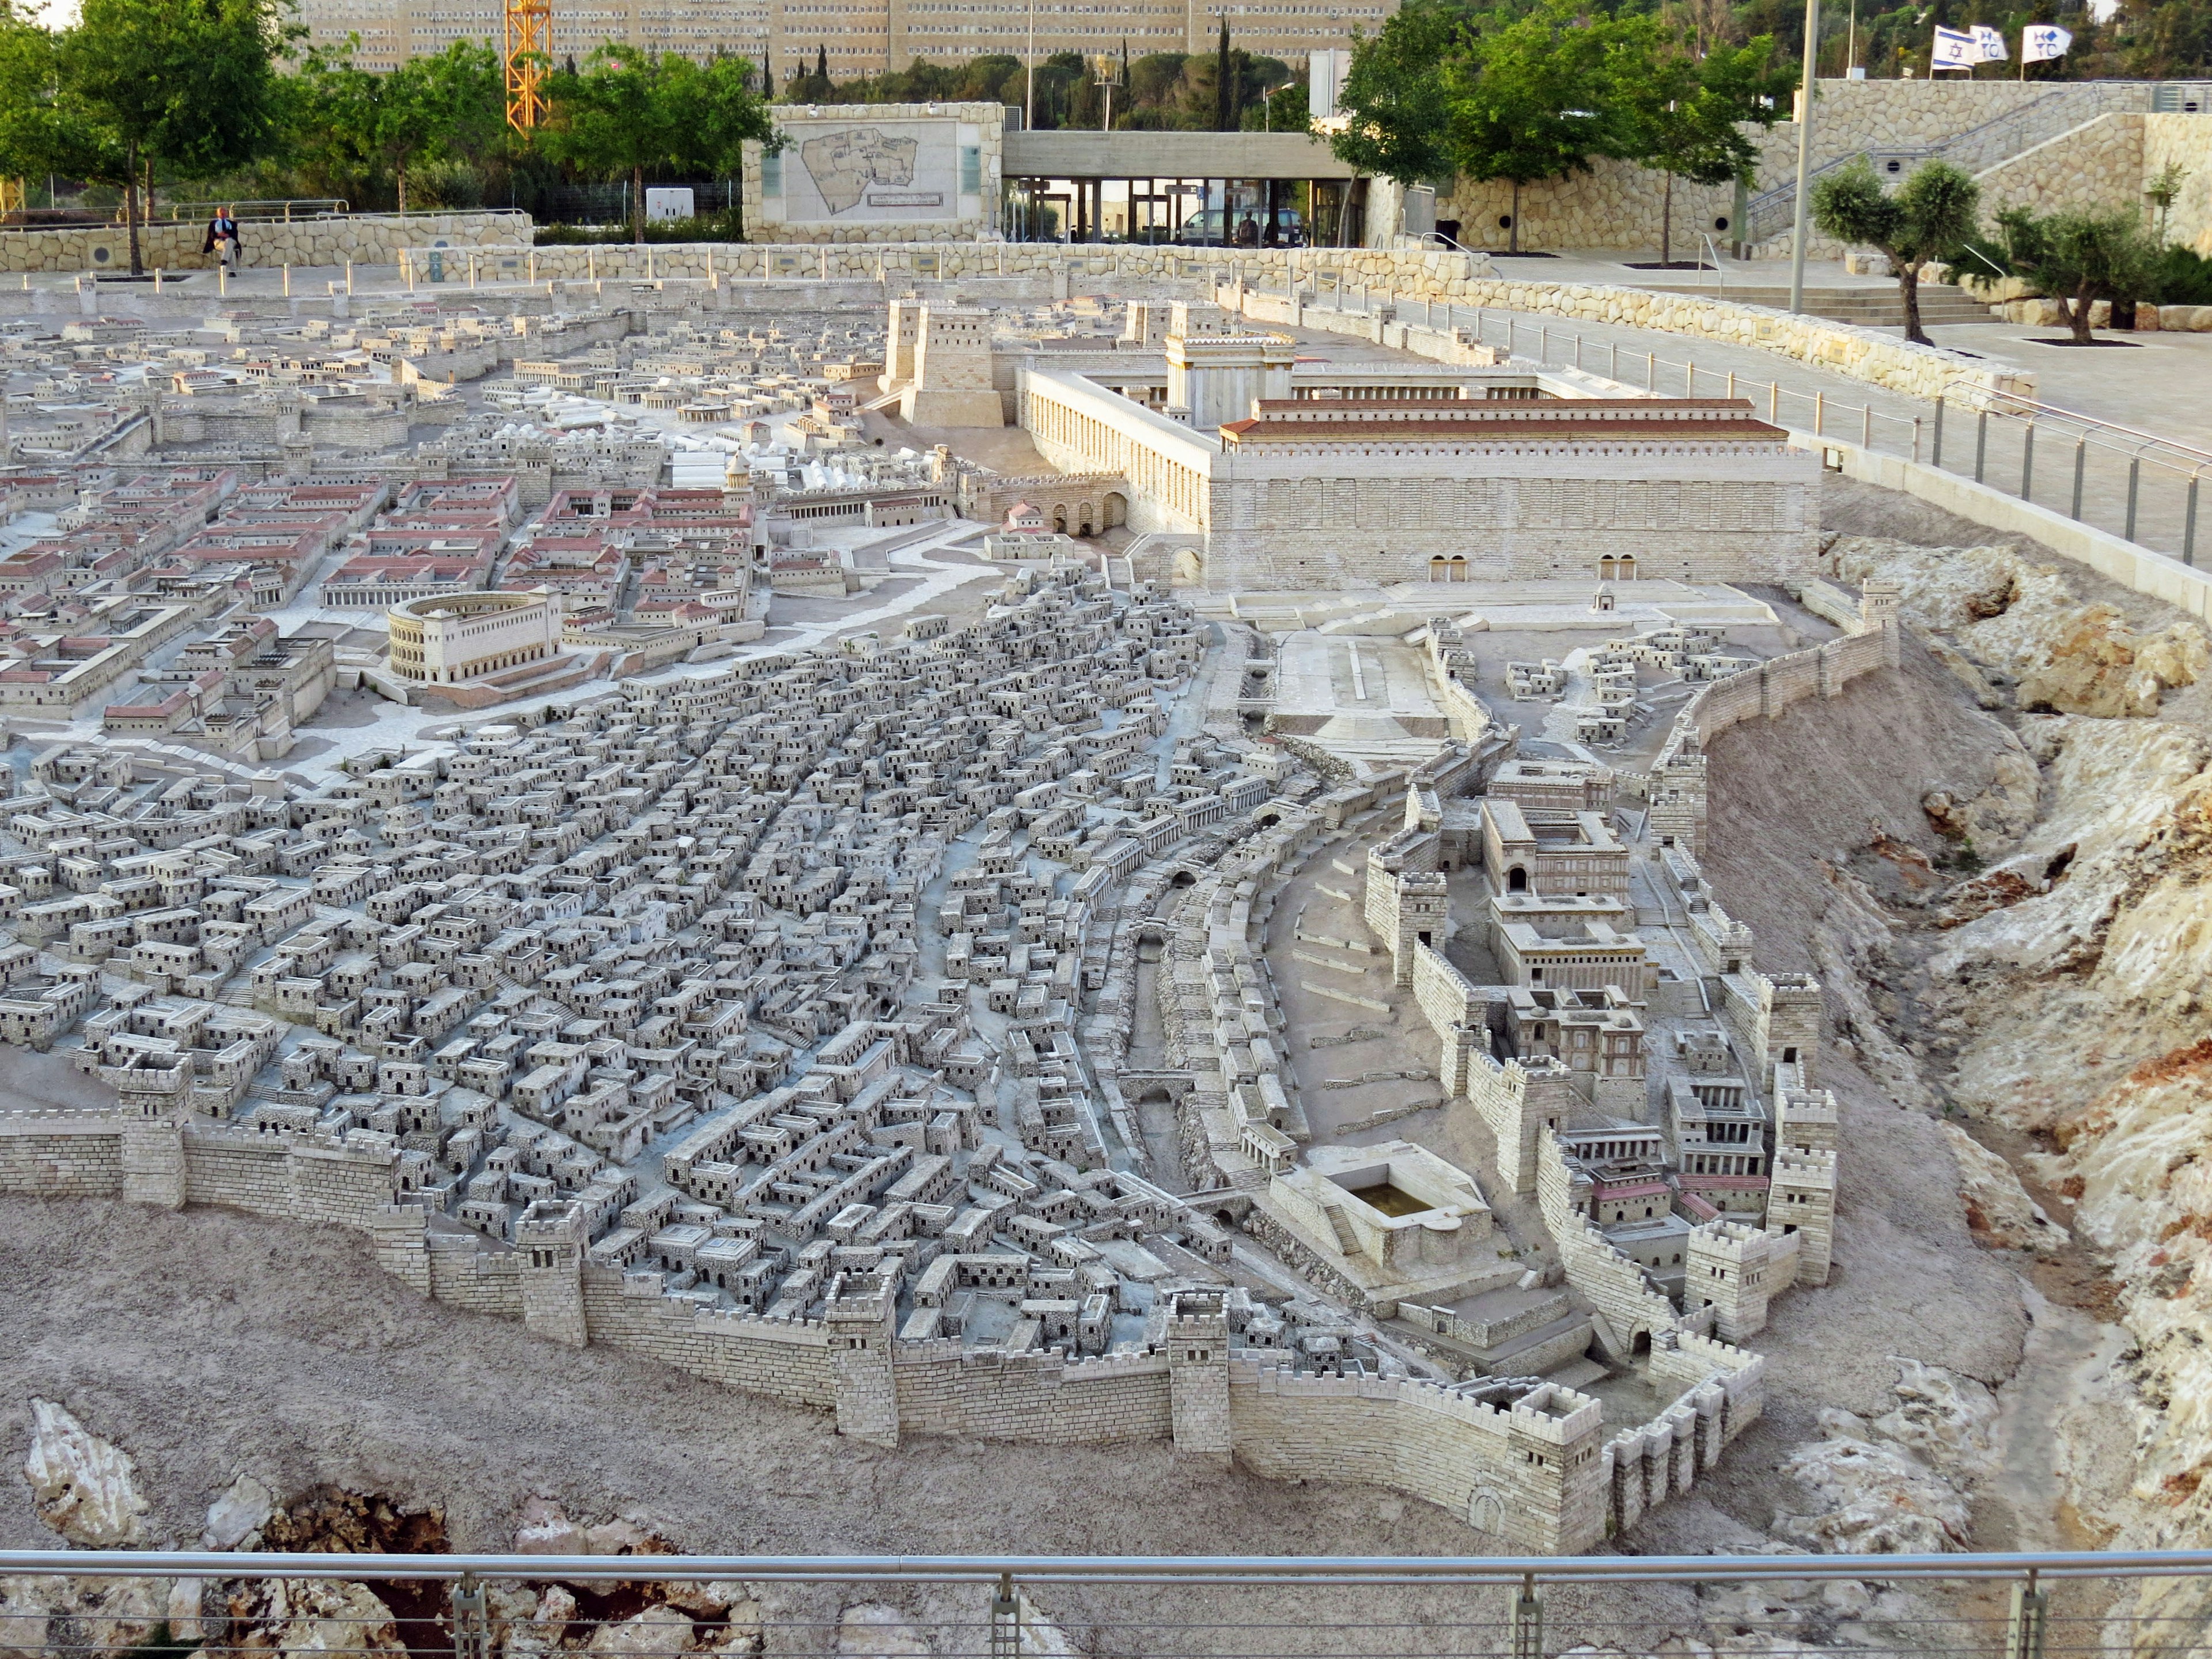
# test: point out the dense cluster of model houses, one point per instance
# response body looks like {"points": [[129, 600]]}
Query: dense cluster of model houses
{"points": [[764, 975]]}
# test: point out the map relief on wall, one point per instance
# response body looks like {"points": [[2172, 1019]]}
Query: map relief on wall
{"points": [[887, 171]]}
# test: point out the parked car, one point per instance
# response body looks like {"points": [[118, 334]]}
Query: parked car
{"points": [[1246, 227]]}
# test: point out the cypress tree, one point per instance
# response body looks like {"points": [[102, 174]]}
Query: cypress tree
{"points": [[1224, 98]]}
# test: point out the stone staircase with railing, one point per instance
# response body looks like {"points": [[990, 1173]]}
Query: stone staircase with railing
{"points": [[1870, 307], [1769, 215]]}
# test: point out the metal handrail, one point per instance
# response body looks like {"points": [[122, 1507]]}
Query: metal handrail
{"points": [[2075, 415], [271, 207], [1786, 193], [1114, 1569]]}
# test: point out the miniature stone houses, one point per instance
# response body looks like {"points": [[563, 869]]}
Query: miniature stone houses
{"points": [[772, 1021]]}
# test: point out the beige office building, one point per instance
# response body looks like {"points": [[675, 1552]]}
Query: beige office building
{"points": [[860, 36]]}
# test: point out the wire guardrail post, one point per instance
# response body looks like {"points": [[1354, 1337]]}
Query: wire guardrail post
{"points": [[1543, 343], [1526, 1629], [2135, 488], [2080, 469], [1774, 403], [1612, 359], [1651, 370], [2027, 462], [2024, 1629], [1915, 441], [2189, 521], [471, 1628], [1820, 410], [1981, 441], [1731, 391], [1690, 378], [1865, 425], [1938, 461], [1005, 1620]]}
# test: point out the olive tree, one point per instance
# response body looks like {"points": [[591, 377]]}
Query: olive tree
{"points": [[1929, 215], [2079, 257]]}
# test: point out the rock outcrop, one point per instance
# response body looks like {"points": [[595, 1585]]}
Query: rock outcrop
{"points": [[2011, 620], [84, 1487], [1998, 1208]]}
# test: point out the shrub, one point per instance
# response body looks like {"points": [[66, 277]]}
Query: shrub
{"points": [[706, 228], [2181, 276]]}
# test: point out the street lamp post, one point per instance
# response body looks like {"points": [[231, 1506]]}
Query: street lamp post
{"points": [[1798, 227], [1029, 94]]}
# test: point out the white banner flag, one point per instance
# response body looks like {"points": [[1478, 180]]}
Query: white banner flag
{"points": [[2040, 42], [1955, 49], [1991, 43]]}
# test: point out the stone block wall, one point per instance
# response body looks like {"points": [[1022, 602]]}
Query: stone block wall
{"points": [[1920, 114], [365, 239], [1789, 679], [2094, 168], [1608, 1281], [1766, 690], [1478, 1461], [464, 1275], [987, 1395], [786, 1359], [61, 1154], [1615, 205], [1086, 268], [1448, 999], [2185, 141], [286, 1177]]}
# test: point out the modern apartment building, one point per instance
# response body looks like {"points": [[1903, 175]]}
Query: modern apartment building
{"points": [[859, 36]]}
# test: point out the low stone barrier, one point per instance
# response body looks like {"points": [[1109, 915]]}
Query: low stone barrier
{"points": [[365, 239]]}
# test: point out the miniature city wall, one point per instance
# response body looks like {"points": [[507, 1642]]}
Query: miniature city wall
{"points": [[1538, 1478]]}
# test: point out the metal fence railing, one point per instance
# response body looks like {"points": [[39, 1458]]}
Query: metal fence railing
{"points": [[284, 207], [61, 1605], [2137, 485]]}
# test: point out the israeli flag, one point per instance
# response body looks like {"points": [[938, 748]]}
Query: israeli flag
{"points": [[1991, 43], [2040, 42], [1955, 49]]}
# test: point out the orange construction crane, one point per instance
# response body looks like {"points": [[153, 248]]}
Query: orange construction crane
{"points": [[529, 49]]}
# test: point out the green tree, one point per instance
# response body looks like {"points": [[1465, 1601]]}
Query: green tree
{"points": [[35, 135], [1393, 97], [1931, 214], [627, 111], [2079, 257], [2164, 189], [1690, 113], [137, 87], [1224, 83], [1281, 108], [1536, 97], [427, 109]]}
